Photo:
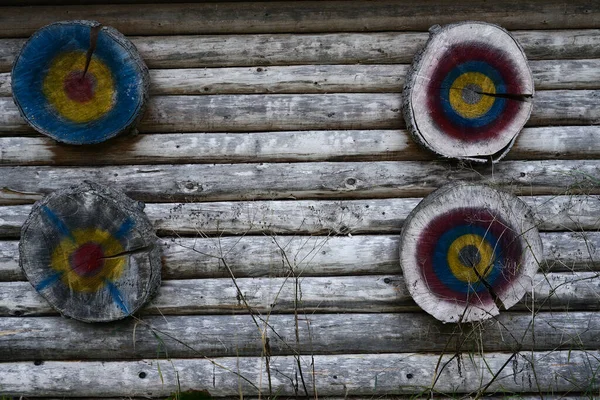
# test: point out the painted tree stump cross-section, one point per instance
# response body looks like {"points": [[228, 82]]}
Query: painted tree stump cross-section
{"points": [[468, 93], [468, 251], [79, 82], [91, 252]]}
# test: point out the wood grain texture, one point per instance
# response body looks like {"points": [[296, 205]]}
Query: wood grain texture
{"points": [[554, 371], [28, 338], [307, 16], [261, 256], [222, 182], [330, 48], [553, 74], [320, 217], [246, 113], [563, 143], [336, 294]]}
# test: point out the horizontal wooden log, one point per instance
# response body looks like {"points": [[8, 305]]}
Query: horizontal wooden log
{"points": [[246, 113], [262, 256], [223, 182], [319, 217], [306, 16], [361, 294], [331, 48], [175, 337], [565, 142], [331, 375], [554, 74]]}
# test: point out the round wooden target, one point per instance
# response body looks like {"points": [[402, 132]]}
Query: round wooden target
{"points": [[468, 93], [91, 252], [59, 97], [468, 251]]}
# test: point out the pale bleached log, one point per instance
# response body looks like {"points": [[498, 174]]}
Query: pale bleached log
{"points": [[347, 180], [320, 217], [244, 335], [331, 375], [246, 113], [306, 16], [328, 48], [343, 294], [565, 142], [263, 256], [553, 74]]}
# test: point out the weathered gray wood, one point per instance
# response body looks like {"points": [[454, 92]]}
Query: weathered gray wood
{"points": [[221, 182], [496, 257], [245, 113], [554, 371], [320, 217], [256, 256], [317, 256], [91, 252], [332, 48], [554, 74], [307, 16], [568, 142], [211, 336], [344, 294]]}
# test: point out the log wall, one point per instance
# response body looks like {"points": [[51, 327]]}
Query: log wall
{"points": [[277, 170]]}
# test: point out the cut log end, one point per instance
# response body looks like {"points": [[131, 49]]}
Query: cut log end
{"points": [[80, 83], [469, 251], [468, 92], [91, 252]]}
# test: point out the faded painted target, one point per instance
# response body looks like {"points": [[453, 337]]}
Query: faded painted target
{"points": [[469, 92], [91, 252], [468, 251], [80, 83]]}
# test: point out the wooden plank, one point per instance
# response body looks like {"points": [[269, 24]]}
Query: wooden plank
{"points": [[35, 338], [328, 48], [245, 113], [319, 217], [565, 142], [306, 16], [344, 294], [347, 180], [262, 256], [332, 375], [554, 74]]}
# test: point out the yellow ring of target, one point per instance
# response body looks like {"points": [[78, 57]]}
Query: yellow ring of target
{"points": [[79, 112], [112, 269], [467, 273], [478, 109]]}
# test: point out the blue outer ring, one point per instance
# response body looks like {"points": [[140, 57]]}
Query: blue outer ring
{"points": [[32, 64], [496, 109], [440, 262]]}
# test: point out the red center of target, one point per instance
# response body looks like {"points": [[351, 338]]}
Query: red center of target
{"points": [[88, 259], [78, 87]]}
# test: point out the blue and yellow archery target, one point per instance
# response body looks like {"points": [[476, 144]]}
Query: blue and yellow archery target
{"points": [[468, 93], [91, 252], [76, 97], [58, 99], [85, 259], [462, 256]]}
